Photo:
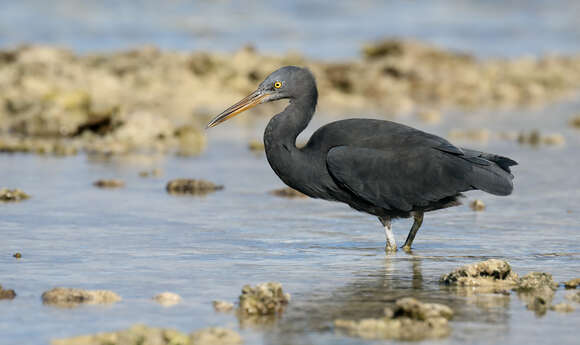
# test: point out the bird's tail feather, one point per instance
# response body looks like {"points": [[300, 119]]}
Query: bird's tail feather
{"points": [[503, 162], [492, 178]]}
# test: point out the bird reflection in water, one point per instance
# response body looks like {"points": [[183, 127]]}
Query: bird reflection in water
{"points": [[372, 291]]}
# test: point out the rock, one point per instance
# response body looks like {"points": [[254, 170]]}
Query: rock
{"points": [[413, 309], [408, 320], [256, 146], [572, 283], [7, 294], [537, 281], [222, 306], [191, 141], [110, 183], [562, 308], [263, 299], [537, 290], [41, 146], [144, 335], [555, 139], [429, 116], [152, 100], [575, 122], [573, 296], [477, 205], [167, 299], [17, 255], [11, 195], [492, 272], [192, 186], [288, 193], [70, 297]]}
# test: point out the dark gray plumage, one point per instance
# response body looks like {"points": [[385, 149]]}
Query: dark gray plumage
{"points": [[379, 167]]}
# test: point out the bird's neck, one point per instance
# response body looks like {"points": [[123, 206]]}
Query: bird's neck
{"points": [[280, 138], [284, 128]]}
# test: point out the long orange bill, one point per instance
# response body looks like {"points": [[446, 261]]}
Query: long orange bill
{"points": [[249, 102]]}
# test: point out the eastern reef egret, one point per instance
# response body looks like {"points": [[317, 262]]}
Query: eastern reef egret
{"points": [[379, 167]]}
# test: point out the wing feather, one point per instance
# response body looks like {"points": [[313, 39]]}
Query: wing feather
{"points": [[406, 178]]}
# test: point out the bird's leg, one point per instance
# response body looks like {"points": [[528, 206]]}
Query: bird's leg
{"points": [[418, 217], [391, 244]]}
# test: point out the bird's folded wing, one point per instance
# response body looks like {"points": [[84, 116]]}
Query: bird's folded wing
{"points": [[400, 179]]}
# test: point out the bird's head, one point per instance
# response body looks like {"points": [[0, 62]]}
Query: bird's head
{"points": [[286, 82]]}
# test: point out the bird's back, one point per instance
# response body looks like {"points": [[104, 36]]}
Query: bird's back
{"points": [[371, 133], [396, 169]]}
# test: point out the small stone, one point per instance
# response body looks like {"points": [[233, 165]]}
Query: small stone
{"points": [[572, 283], [562, 308], [575, 122], [256, 146], [111, 183], [17, 255], [167, 299], [7, 294], [11, 195], [533, 138], [70, 297], [554, 139], [413, 309], [151, 173], [573, 296], [508, 135], [263, 299], [477, 205], [288, 193], [222, 306], [408, 320], [216, 336], [429, 116], [537, 289], [191, 186], [537, 280]]}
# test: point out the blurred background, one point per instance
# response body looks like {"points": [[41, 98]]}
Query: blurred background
{"points": [[119, 92], [115, 77], [318, 29]]}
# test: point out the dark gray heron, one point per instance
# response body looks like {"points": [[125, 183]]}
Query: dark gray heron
{"points": [[379, 167]]}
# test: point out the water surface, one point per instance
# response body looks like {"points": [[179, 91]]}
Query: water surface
{"points": [[139, 241], [322, 29]]}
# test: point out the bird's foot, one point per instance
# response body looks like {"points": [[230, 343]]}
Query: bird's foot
{"points": [[406, 248], [390, 248]]}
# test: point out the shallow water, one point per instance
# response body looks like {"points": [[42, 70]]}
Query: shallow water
{"points": [[139, 241], [315, 28]]}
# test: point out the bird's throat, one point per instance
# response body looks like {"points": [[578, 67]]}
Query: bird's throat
{"points": [[281, 133]]}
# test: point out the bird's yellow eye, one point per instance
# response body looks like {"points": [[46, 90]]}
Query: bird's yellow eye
{"points": [[277, 84]]}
